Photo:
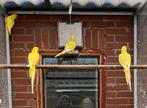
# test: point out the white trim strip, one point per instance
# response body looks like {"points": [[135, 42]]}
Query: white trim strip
{"points": [[73, 13]]}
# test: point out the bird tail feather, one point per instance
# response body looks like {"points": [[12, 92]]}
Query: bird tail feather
{"points": [[128, 78], [32, 76], [61, 53]]}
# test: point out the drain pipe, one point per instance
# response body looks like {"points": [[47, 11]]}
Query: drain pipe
{"points": [[135, 61], [8, 70]]}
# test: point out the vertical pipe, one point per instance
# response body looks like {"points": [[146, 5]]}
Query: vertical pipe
{"points": [[8, 70], [135, 61]]}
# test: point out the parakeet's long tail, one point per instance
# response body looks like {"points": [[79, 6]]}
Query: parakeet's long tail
{"points": [[32, 76], [63, 52], [128, 78]]}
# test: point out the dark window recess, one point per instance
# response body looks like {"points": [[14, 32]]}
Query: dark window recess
{"points": [[71, 88]]}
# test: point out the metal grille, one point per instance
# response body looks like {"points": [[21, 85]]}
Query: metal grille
{"points": [[142, 58]]}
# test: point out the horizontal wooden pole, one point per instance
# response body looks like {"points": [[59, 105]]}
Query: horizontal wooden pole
{"points": [[58, 66]]}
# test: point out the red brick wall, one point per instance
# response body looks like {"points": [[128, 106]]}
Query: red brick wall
{"points": [[105, 33]]}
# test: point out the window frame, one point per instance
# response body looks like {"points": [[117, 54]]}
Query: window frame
{"points": [[84, 53]]}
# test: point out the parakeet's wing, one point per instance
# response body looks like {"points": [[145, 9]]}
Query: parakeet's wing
{"points": [[70, 45], [122, 60], [33, 58]]}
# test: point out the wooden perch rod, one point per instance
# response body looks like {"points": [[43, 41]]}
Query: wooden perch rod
{"points": [[58, 66]]}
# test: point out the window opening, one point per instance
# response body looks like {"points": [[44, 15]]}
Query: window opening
{"points": [[71, 88]]}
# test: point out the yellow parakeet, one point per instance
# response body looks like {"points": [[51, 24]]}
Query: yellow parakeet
{"points": [[125, 61], [10, 20], [33, 59], [69, 46]]}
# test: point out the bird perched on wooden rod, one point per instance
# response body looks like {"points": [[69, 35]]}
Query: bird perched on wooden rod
{"points": [[33, 59], [69, 46], [125, 61]]}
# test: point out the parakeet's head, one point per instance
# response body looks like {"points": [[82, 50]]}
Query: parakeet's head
{"points": [[73, 37], [35, 50], [123, 49], [14, 16]]}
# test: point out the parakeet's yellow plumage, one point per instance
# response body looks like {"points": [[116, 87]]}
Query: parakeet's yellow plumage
{"points": [[33, 59], [69, 46], [125, 61], [10, 20]]}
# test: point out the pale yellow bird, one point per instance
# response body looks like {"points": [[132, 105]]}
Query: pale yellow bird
{"points": [[69, 46], [33, 59], [10, 21], [125, 61]]}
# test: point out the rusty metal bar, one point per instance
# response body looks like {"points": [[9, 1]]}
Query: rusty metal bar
{"points": [[58, 66]]}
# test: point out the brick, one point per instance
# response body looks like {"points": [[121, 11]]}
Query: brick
{"points": [[21, 81], [19, 74], [17, 45], [124, 94], [124, 38], [113, 45], [18, 60], [110, 80], [88, 38], [21, 53], [24, 95], [125, 18], [31, 102], [18, 30], [29, 31], [101, 39], [118, 88], [45, 39], [121, 80], [112, 59], [20, 102], [53, 39], [47, 24], [110, 38], [109, 52], [124, 23], [107, 18], [117, 101], [115, 73], [29, 45], [86, 24], [111, 94], [38, 38], [23, 38], [102, 24], [94, 39], [20, 88], [116, 31], [111, 106]]}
